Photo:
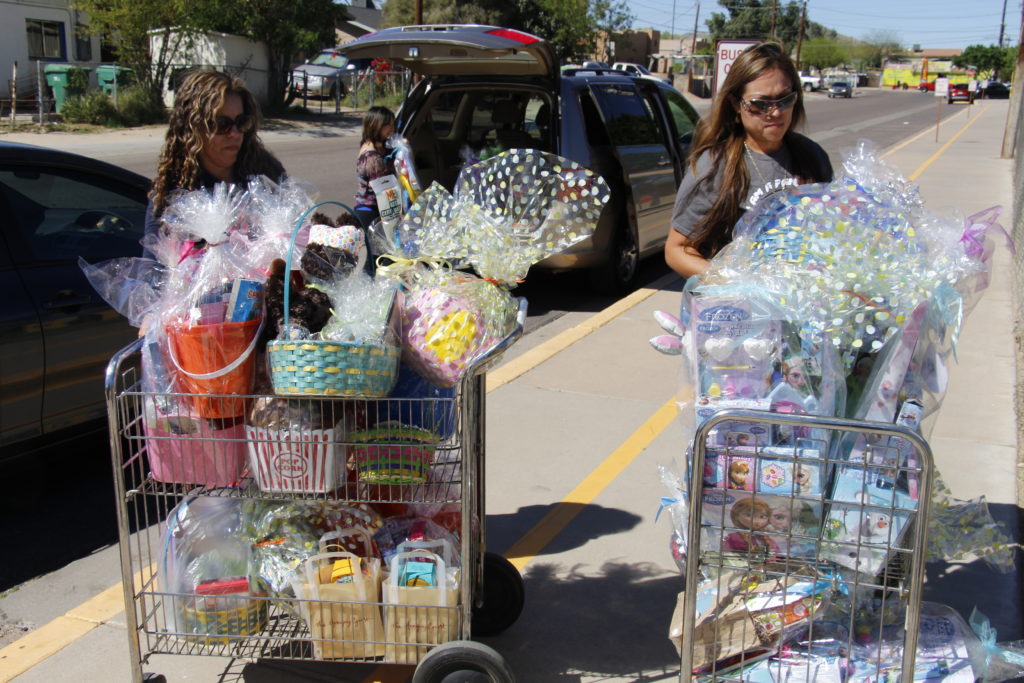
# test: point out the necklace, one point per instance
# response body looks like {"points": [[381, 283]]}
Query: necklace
{"points": [[750, 157]]}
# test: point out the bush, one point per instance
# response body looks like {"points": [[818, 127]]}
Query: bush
{"points": [[138, 106], [78, 79], [92, 107]]}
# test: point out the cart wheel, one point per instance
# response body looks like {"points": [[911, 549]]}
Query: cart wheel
{"points": [[503, 598], [153, 678], [463, 661]]}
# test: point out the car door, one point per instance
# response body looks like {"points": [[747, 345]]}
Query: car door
{"points": [[649, 164], [682, 122], [55, 214], [22, 365]]}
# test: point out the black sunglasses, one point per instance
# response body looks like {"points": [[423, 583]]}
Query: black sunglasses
{"points": [[760, 107], [222, 125]]}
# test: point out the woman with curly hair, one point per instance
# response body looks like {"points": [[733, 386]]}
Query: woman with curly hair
{"points": [[211, 138], [745, 149]]}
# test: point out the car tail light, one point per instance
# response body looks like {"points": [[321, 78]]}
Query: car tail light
{"points": [[512, 34]]}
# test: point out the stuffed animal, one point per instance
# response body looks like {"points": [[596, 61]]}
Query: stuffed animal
{"points": [[308, 308]]}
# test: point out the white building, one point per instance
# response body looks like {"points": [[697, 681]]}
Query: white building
{"points": [[40, 32], [233, 54]]}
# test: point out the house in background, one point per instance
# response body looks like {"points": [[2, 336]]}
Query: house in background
{"points": [[221, 51], [364, 17], [41, 32]]}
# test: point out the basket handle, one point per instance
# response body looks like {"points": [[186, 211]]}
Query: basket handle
{"points": [[356, 532], [291, 251], [227, 368]]}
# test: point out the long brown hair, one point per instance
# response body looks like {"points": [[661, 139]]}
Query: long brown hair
{"points": [[200, 95], [375, 121], [721, 133]]}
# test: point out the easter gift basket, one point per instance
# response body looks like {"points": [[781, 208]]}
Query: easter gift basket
{"points": [[355, 354]]}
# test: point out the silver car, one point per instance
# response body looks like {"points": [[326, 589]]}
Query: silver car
{"points": [[322, 76], [486, 87]]}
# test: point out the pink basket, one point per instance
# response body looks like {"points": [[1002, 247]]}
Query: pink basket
{"points": [[296, 460], [193, 452]]}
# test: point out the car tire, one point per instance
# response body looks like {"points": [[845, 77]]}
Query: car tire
{"points": [[808, 87], [618, 274]]}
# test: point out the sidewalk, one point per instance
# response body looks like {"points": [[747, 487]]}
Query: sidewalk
{"points": [[577, 425]]}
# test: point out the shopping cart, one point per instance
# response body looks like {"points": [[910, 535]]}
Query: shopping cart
{"points": [[806, 556], [161, 459]]}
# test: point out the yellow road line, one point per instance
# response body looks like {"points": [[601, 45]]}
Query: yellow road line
{"points": [[527, 361], [47, 640], [917, 136], [939, 152], [544, 531]]}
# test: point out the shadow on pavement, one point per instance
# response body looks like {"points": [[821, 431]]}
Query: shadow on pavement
{"points": [[504, 530]]}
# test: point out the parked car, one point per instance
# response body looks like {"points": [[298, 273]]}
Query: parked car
{"points": [[326, 75], [809, 83], [997, 91], [927, 87], [505, 89], [840, 89], [958, 92], [56, 333], [639, 71]]}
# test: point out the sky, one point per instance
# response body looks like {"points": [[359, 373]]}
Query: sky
{"points": [[931, 24]]}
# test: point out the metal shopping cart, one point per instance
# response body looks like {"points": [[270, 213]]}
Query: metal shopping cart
{"points": [[162, 458], [807, 550]]}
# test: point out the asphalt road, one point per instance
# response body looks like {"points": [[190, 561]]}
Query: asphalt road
{"points": [[45, 534]]}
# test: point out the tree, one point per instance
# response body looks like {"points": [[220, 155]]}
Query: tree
{"points": [[286, 27], [990, 62], [877, 47], [403, 12], [127, 24], [752, 19], [823, 53]]}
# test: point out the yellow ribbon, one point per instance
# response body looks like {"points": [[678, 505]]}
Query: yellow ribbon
{"points": [[401, 265]]}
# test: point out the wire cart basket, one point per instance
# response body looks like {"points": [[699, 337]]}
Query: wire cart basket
{"points": [[158, 464], [806, 557]]}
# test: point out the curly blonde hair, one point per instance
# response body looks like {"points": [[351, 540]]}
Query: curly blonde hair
{"points": [[201, 94]]}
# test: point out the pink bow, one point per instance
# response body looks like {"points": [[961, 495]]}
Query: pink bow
{"points": [[977, 225]]}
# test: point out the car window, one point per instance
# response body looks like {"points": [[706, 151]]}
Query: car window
{"points": [[628, 116], [330, 59], [683, 115], [63, 214], [442, 112]]}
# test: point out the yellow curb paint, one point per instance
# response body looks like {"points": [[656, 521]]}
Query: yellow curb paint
{"points": [[544, 531], [941, 150], [913, 138], [49, 639], [522, 364], [44, 642]]}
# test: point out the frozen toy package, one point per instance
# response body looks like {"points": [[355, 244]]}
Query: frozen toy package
{"points": [[744, 527]]}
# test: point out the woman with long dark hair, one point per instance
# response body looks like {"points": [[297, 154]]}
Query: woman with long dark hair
{"points": [[745, 149], [373, 161]]}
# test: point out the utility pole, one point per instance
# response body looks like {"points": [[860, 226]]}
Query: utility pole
{"points": [[693, 48], [673, 31], [774, 8], [1002, 25], [800, 35], [419, 12]]}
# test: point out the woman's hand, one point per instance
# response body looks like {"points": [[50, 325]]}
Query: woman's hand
{"points": [[681, 256]]}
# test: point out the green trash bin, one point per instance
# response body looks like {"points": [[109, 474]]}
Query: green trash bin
{"points": [[112, 77], [57, 79]]}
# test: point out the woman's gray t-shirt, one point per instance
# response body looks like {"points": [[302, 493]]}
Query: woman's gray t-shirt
{"points": [[769, 173]]}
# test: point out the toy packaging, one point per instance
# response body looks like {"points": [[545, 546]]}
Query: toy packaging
{"points": [[747, 526]]}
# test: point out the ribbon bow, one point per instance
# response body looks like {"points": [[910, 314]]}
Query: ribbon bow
{"points": [[401, 265], [987, 634], [977, 225], [666, 502]]}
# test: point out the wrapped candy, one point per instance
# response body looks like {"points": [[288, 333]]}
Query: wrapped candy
{"points": [[405, 168], [505, 214]]}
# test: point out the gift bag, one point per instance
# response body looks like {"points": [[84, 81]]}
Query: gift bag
{"points": [[421, 602], [341, 603]]}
